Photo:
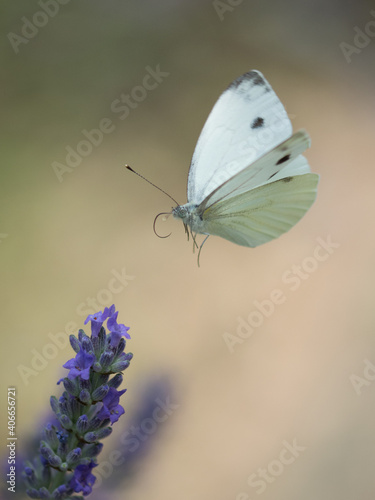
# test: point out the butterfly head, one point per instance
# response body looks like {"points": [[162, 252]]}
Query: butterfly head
{"points": [[190, 216], [180, 212]]}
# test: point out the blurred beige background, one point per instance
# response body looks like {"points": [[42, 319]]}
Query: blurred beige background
{"points": [[63, 242]]}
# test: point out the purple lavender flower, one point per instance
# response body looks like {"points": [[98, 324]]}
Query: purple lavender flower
{"points": [[82, 479], [117, 331], [112, 409], [98, 319], [83, 415], [80, 365]]}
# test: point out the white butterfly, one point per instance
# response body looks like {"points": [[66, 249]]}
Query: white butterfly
{"points": [[248, 181]]}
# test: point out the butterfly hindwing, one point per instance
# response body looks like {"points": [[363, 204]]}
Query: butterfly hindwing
{"points": [[253, 218]]}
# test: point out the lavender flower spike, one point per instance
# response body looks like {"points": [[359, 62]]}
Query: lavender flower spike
{"points": [[84, 413]]}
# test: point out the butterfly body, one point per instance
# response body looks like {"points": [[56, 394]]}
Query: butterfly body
{"points": [[191, 215]]}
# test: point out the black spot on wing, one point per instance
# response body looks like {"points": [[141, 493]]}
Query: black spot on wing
{"points": [[283, 159], [257, 123]]}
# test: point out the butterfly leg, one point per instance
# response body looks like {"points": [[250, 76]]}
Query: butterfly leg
{"points": [[200, 248], [195, 244]]}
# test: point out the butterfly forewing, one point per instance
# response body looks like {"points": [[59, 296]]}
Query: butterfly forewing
{"points": [[247, 120]]}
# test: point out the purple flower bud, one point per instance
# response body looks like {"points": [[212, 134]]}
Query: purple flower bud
{"points": [[44, 493], [33, 493], [93, 450], [73, 457], [121, 346], [100, 393], [81, 335], [93, 436], [50, 436], [49, 455], [60, 492], [82, 424], [74, 342], [55, 405], [97, 367], [29, 475], [106, 359], [119, 366], [84, 396], [116, 381], [87, 345], [70, 386], [66, 422]]}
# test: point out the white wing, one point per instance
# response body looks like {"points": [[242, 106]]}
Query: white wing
{"points": [[284, 160], [253, 218], [247, 120]]}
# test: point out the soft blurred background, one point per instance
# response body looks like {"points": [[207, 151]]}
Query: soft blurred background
{"points": [[302, 376]]}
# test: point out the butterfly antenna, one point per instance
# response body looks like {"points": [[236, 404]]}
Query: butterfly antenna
{"points": [[152, 184]]}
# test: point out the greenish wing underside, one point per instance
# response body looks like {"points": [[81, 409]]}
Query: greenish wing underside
{"points": [[264, 213]]}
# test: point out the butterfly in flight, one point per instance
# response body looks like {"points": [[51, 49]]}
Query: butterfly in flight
{"points": [[248, 181]]}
